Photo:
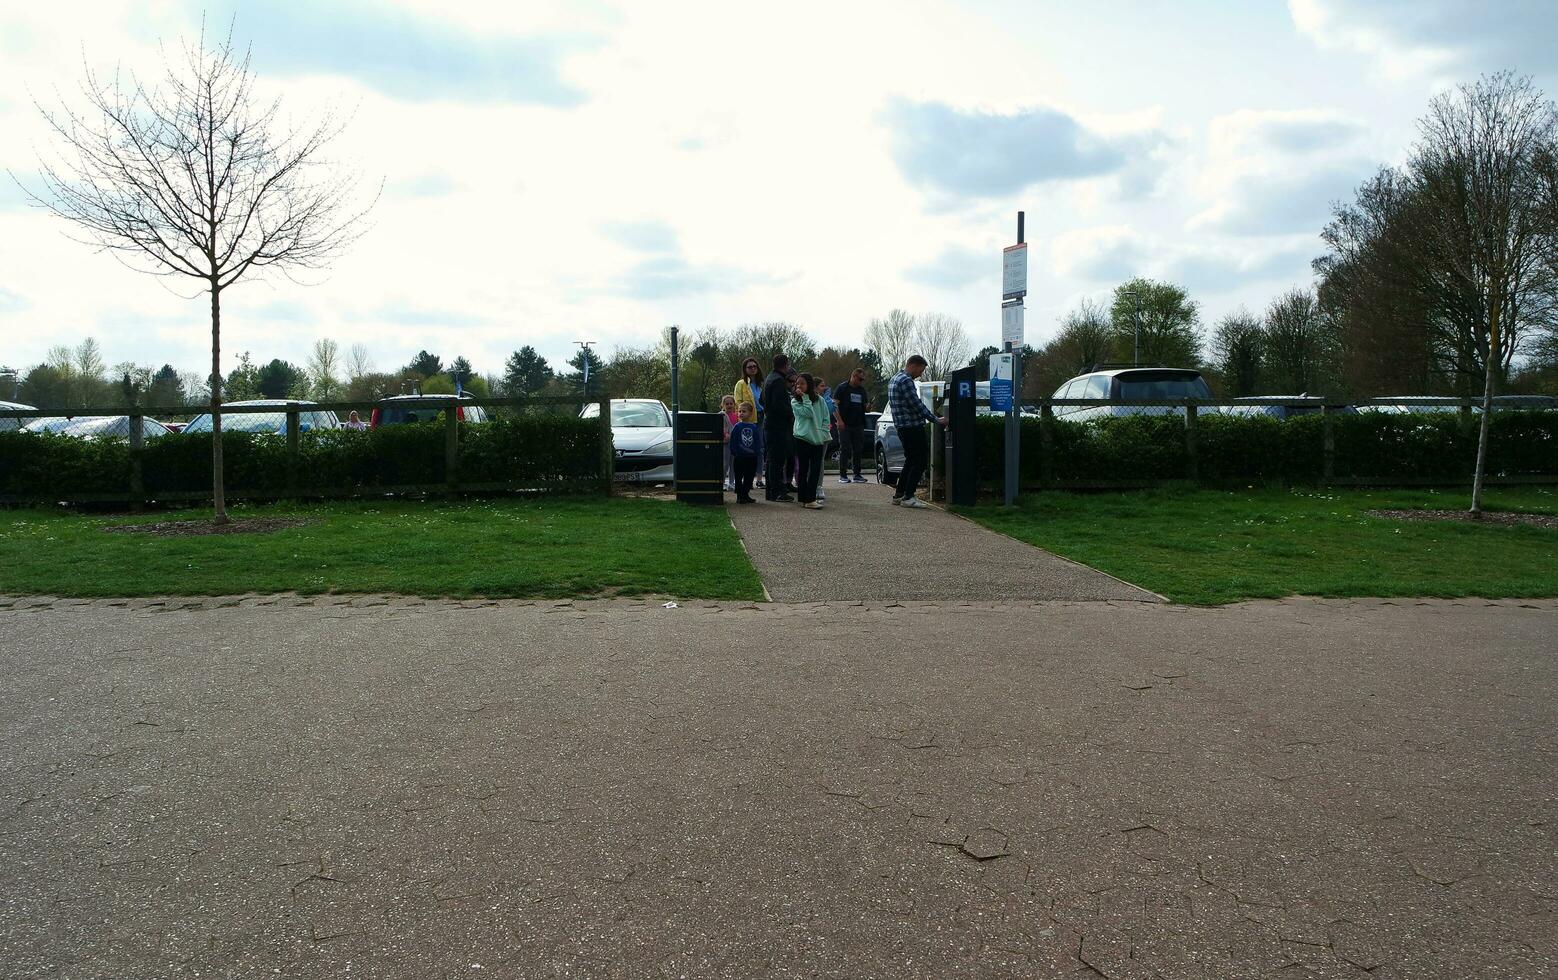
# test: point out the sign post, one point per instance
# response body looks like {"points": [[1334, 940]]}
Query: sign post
{"points": [[1014, 287]]}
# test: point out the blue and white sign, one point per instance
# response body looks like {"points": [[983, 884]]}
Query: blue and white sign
{"points": [[1000, 383]]}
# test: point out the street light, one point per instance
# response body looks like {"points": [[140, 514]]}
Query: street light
{"points": [[1135, 296], [584, 350]]}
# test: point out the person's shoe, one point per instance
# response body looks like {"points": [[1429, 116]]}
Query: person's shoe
{"points": [[791, 491], [861, 479], [744, 500], [914, 502], [814, 505], [843, 479], [784, 498], [897, 501]]}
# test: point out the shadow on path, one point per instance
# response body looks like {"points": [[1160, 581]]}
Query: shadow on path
{"points": [[859, 546]]}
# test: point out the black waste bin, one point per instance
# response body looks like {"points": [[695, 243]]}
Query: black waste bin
{"points": [[700, 457]]}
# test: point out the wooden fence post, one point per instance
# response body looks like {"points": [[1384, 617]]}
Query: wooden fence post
{"points": [[137, 482], [1328, 443], [1191, 448], [451, 448], [608, 455], [1046, 442], [294, 420]]}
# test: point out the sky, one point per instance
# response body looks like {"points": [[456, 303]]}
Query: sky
{"points": [[597, 170]]}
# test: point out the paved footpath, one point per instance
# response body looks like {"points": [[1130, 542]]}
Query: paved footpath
{"points": [[382, 787], [859, 546]]}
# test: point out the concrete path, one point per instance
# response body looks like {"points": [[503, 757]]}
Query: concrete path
{"points": [[377, 787], [861, 547]]}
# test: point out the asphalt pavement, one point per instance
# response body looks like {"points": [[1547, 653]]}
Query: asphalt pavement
{"points": [[859, 546], [384, 787]]}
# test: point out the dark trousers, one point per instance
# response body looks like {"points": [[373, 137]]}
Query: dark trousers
{"points": [[916, 456], [746, 471], [778, 447], [809, 475], [852, 446]]}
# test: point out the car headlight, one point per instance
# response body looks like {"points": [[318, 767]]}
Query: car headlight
{"points": [[659, 449]]}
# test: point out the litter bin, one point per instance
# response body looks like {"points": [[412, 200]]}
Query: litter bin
{"points": [[700, 457]]}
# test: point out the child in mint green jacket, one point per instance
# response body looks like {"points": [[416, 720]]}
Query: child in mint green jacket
{"points": [[811, 436]]}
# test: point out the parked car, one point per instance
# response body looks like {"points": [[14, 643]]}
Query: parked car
{"points": [[395, 411], [11, 425], [1401, 404], [889, 448], [1129, 385], [1253, 406], [96, 427], [269, 422], [641, 438]]}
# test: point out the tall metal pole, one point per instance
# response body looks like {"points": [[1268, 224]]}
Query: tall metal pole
{"points": [[1136, 321], [676, 406], [584, 352], [1014, 414]]}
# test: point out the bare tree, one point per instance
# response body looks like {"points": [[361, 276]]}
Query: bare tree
{"points": [[199, 177], [892, 337], [359, 363], [942, 341], [1478, 167], [323, 363]]}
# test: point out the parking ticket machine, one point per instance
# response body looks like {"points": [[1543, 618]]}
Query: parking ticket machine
{"points": [[962, 437]]}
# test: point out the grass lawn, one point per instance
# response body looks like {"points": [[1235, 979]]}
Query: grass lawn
{"points": [[501, 548], [1207, 547]]}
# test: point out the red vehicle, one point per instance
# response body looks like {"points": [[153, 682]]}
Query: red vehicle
{"points": [[423, 408]]}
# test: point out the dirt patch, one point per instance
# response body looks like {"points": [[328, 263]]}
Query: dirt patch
{"points": [[1502, 517], [253, 525]]}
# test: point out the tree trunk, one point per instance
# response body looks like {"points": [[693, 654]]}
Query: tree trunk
{"points": [[218, 490], [1487, 410]]}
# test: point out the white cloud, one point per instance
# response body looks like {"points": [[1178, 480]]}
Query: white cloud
{"points": [[1437, 38]]}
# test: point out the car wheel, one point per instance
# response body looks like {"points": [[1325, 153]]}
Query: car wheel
{"points": [[882, 475]]}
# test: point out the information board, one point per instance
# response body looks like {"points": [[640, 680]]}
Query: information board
{"points": [[1000, 383]]}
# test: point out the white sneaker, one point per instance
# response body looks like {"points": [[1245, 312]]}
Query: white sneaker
{"points": [[843, 479], [814, 505], [914, 502]]}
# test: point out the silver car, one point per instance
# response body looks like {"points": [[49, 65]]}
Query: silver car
{"points": [[641, 438], [1130, 385], [97, 427], [274, 423], [11, 425]]}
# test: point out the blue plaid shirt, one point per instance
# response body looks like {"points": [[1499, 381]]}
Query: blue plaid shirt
{"points": [[904, 401]]}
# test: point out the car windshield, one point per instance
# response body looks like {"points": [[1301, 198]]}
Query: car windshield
{"points": [[1162, 385], [639, 415], [261, 422]]}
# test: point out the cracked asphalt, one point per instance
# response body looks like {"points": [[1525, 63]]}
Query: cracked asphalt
{"points": [[382, 787]]}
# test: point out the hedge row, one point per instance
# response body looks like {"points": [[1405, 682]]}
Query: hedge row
{"points": [[1262, 449], [549, 453]]}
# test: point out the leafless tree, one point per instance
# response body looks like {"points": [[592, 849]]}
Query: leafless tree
{"points": [[942, 341], [323, 364], [198, 176], [359, 362], [1299, 348], [1239, 345], [1478, 168], [892, 337]]}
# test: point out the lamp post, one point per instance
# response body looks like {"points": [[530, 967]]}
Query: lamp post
{"points": [[584, 351], [1135, 295]]}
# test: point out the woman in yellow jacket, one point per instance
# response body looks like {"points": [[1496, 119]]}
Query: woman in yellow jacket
{"points": [[749, 391]]}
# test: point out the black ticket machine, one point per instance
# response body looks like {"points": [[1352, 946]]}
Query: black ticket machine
{"points": [[962, 437]]}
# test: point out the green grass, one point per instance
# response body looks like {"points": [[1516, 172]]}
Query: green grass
{"points": [[1208, 547], [555, 548]]}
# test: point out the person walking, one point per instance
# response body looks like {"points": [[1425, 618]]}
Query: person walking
{"points": [[749, 391], [827, 400], [778, 428], [852, 403], [811, 437], [909, 418], [746, 448]]}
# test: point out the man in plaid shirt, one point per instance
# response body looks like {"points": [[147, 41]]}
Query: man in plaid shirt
{"points": [[909, 418]]}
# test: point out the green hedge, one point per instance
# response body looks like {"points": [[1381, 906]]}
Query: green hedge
{"points": [[1261, 449], [543, 452]]}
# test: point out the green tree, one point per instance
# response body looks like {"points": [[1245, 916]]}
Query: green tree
{"points": [[279, 379], [1239, 346], [425, 364], [1299, 344], [525, 372], [166, 388], [1163, 317], [243, 381], [597, 376]]}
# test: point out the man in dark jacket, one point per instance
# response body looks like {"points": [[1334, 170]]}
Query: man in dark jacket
{"points": [[778, 428]]}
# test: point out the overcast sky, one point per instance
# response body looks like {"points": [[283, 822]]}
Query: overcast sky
{"points": [[597, 170]]}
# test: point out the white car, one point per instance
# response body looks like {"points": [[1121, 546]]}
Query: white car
{"points": [[267, 422], [96, 427], [641, 438], [1130, 385], [11, 425]]}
